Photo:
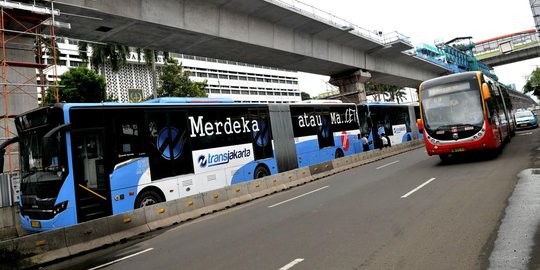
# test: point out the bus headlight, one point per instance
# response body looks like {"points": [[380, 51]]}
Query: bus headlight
{"points": [[60, 207]]}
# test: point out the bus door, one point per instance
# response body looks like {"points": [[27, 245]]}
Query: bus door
{"points": [[92, 187], [261, 141]]}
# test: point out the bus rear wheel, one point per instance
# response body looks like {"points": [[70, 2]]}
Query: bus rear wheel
{"points": [[147, 198], [261, 171]]}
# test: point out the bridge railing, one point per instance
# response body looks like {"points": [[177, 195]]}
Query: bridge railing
{"points": [[506, 44], [374, 35]]}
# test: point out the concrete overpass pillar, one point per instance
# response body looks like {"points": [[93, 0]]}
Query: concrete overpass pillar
{"points": [[352, 86]]}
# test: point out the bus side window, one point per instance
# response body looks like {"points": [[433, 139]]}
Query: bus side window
{"points": [[127, 135]]}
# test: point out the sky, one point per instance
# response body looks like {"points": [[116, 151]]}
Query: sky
{"points": [[425, 21]]}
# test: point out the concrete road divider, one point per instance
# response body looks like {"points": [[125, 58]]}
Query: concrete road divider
{"points": [[238, 193], [321, 170], [88, 235], [161, 215], [41, 248], [216, 200], [342, 163], [303, 175], [257, 188], [190, 207], [277, 182], [128, 224]]}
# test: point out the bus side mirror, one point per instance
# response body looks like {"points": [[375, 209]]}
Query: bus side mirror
{"points": [[485, 91], [420, 124], [3, 150]]}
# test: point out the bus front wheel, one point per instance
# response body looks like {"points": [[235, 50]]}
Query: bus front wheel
{"points": [[261, 171], [147, 198]]}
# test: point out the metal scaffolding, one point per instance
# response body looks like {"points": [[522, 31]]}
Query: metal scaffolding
{"points": [[26, 35]]}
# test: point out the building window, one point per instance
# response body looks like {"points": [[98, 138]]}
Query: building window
{"points": [[235, 92], [232, 77], [221, 76], [212, 75]]}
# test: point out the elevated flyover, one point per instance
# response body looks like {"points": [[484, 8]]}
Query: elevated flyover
{"points": [[263, 32], [509, 48]]}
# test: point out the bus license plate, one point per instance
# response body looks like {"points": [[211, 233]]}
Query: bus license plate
{"points": [[455, 150], [35, 224]]}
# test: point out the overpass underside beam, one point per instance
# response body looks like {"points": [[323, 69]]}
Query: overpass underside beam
{"points": [[351, 86]]}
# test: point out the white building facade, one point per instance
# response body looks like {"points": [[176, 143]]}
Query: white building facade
{"points": [[241, 82]]}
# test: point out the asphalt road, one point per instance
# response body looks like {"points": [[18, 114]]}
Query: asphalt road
{"points": [[405, 212]]}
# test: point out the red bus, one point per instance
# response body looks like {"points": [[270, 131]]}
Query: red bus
{"points": [[466, 112]]}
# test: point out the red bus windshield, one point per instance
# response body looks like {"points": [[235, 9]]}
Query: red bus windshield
{"points": [[451, 105]]}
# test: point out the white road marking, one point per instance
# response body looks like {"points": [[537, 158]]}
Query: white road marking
{"points": [[380, 167], [291, 264], [419, 187], [523, 134], [121, 259], [299, 196]]}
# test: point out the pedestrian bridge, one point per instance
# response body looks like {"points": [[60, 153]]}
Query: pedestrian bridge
{"points": [[509, 48]]}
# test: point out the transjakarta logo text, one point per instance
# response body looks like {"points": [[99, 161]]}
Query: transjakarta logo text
{"points": [[211, 160]]}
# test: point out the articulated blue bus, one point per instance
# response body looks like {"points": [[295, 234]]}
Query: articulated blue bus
{"points": [[85, 161], [397, 121]]}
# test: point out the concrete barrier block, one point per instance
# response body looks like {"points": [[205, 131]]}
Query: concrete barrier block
{"points": [[257, 188], [161, 215], [215, 200], [341, 164], [238, 193], [128, 224], [356, 158], [190, 207], [88, 235], [303, 175], [276, 183], [320, 168], [41, 247]]}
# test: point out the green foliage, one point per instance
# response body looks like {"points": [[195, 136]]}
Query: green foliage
{"points": [[305, 96], [175, 82], [533, 83], [114, 54], [78, 85], [383, 92]]}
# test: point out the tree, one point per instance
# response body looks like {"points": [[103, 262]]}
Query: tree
{"points": [[305, 96], [533, 83], [114, 54], [175, 82], [384, 92], [78, 85]]}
